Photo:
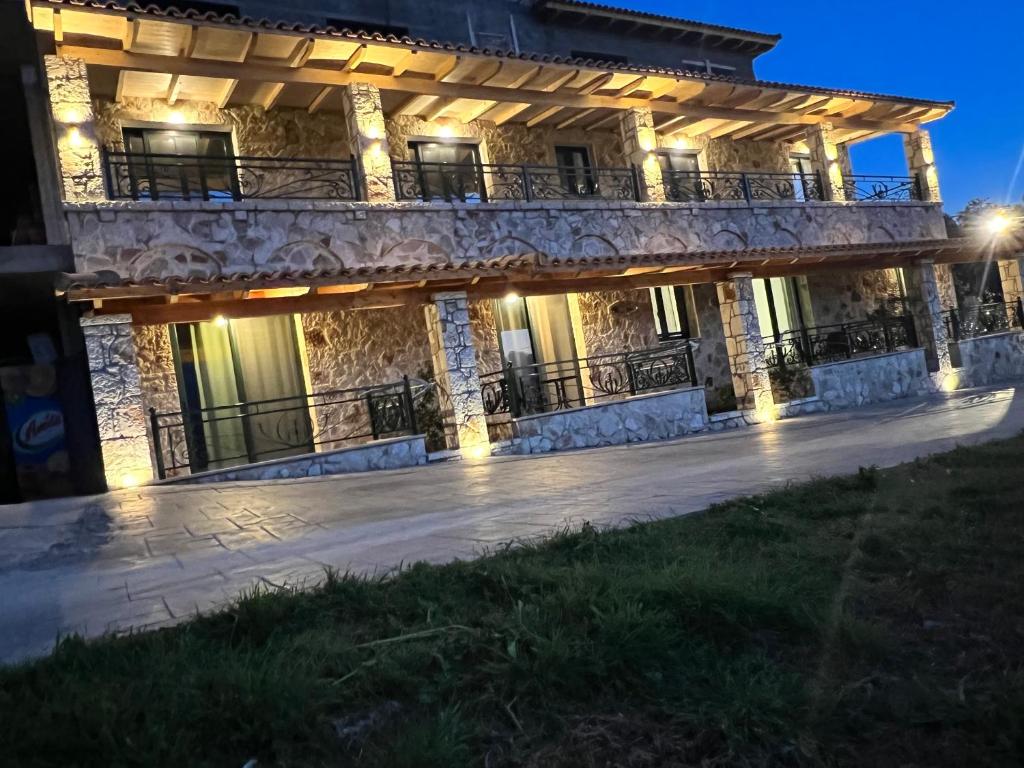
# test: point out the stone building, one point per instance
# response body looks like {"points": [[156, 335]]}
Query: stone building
{"points": [[298, 248]]}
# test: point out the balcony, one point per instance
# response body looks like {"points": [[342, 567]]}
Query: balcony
{"points": [[756, 187]]}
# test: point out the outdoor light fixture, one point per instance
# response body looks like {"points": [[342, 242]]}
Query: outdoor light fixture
{"points": [[997, 223], [445, 132], [220, 321], [129, 481], [511, 297], [74, 136], [176, 117]]}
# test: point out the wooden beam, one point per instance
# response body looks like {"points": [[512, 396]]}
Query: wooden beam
{"points": [[507, 111], [437, 109], [632, 86], [601, 121], [173, 89], [119, 89], [570, 120], [131, 34], [272, 95], [58, 27], [301, 52], [319, 99], [543, 115], [596, 84], [353, 61], [247, 47], [447, 68], [402, 66]]}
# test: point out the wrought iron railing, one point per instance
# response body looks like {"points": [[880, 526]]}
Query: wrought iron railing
{"points": [[192, 177], [544, 387], [984, 319], [859, 188], [842, 341], [476, 183], [223, 436], [724, 186]]}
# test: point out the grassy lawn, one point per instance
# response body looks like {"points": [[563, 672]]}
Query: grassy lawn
{"points": [[873, 620]]}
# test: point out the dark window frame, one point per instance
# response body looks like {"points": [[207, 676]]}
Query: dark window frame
{"points": [[682, 313], [225, 163]]}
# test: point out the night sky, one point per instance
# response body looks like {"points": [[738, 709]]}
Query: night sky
{"points": [[972, 53]]}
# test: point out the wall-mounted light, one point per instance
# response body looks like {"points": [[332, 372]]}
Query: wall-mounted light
{"points": [[74, 136], [220, 321], [129, 480], [511, 297], [176, 117], [997, 223], [372, 133], [445, 131]]}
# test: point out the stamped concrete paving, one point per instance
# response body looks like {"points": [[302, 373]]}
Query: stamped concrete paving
{"points": [[156, 555]]}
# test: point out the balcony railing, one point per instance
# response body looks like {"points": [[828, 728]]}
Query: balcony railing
{"points": [[223, 436], [726, 186], [859, 188], [192, 177], [831, 343], [544, 387], [478, 183], [984, 319]]}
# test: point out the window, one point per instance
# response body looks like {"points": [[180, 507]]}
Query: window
{"points": [[611, 58], [679, 160], [708, 66], [783, 305], [181, 163], [367, 26], [803, 177], [575, 170], [449, 170], [680, 173], [674, 316]]}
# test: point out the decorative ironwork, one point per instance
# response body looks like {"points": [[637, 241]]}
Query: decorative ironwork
{"points": [[882, 188], [830, 343], [564, 384], [984, 319], [479, 183], [246, 432], [193, 177], [724, 186]]}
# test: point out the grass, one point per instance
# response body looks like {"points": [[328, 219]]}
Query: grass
{"points": [[872, 620]]}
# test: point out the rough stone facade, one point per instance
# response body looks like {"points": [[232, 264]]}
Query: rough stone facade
{"points": [[157, 376], [991, 359], [658, 416], [1010, 279], [394, 453], [917, 147], [926, 305], [846, 297], [744, 344], [455, 370], [876, 379], [365, 120], [616, 321], [639, 141], [826, 161], [711, 358], [165, 239], [78, 148], [117, 393]]}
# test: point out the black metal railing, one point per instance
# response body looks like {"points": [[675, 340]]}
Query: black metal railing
{"points": [[544, 387], [842, 341], [194, 177], [477, 183], [860, 188], [223, 436], [725, 186], [984, 319]]}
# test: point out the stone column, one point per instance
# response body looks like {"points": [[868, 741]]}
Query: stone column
{"points": [[451, 344], [744, 343], [78, 150], [917, 146], [1010, 277], [640, 141], [926, 305], [368, 138], [826, 160], [117, 394]]}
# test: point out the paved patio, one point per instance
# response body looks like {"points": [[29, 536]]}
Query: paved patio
{"points": [[156, 555]]}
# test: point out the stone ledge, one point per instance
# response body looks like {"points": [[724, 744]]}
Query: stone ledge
{"points": [[389, 453], [863, 358], [592, 406]]}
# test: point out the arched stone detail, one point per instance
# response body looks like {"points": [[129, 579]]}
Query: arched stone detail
{"points": [[509, 245], [304, 256], [416, 252], [593, 245], [662, 242], [181, 261], [787, 237], [728, 240]]}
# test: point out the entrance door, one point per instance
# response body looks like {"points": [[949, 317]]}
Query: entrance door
{"points": [[175, 164], [450, 171], [575, 171], [242, 391]]}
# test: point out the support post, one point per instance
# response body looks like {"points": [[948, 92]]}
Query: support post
{"points": [[744, 343], [455, 369], [368, 139], [78, 150], [639, 141], [117, 395], [917, 146], [926, 307], [827, 161], [1011, 280]]}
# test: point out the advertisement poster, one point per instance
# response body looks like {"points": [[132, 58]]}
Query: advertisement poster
{"points": [[36, 422]]}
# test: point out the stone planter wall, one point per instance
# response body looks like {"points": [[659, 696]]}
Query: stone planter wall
{"points": [[394, 453], [876, 379], [991, 359], [657, 416]]}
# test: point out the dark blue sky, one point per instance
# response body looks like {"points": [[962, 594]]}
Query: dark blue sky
{"points": [[972, 53]]}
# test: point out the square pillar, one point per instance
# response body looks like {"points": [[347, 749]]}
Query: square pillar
{"points": [[1010, 277], [117, 395], [744, 343], [78, 150], [640, 141], [929, 322], [364, 117], [827, 160], [917, 146], [451, 344]]}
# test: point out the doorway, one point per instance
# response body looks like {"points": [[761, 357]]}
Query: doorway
{"points": [[575, 171], [449, 171], [180, 164]]}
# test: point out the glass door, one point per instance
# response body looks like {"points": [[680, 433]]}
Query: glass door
{"points": [[242, 391], [449, 171], [181, 164], [680, 173], [803, 178], [575, 171]]}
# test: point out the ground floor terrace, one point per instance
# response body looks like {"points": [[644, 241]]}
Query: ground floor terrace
{"points": [[279, 376]]}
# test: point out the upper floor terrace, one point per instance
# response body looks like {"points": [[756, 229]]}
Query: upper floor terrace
{"points": [[243, 145]]}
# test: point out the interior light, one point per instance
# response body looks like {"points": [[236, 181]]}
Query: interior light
{"points": [[511, 297], [220, 321]]}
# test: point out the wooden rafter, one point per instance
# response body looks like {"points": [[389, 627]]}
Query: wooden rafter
{"points": [[573, 119], [543, 115], [273, 94], [319, 99]]}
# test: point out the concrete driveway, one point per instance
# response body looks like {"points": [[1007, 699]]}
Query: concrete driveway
{"points": [[153, 556]]}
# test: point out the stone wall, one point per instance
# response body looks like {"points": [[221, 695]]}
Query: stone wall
{"points": [[876, 379], [485, 335], [729, 155], [711, 358], [394, 453], [617, 321], [658, 416], [163, 239], [991, 359], [159, 380], [845, 297]]}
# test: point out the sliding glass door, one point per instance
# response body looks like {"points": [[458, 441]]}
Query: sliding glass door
{"points": [[242, 391]]}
